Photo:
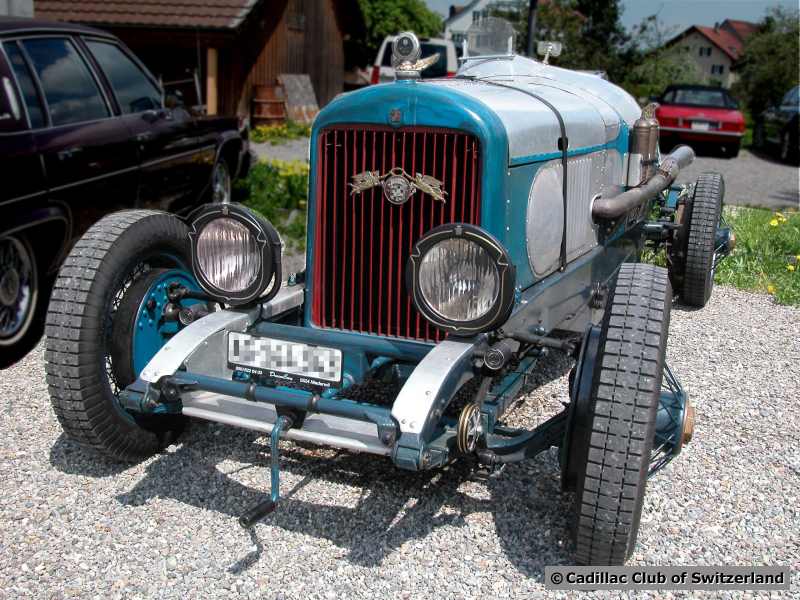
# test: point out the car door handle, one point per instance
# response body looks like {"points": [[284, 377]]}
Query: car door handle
{"points": [[69, 153], [144, 137]]}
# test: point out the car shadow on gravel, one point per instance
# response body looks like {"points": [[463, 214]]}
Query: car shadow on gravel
{"points": [[382, 509]]}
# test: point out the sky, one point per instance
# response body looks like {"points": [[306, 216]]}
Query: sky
{"points": [[675, 14]]}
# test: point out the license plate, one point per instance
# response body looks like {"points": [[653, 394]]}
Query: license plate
{"points": [[285, 362], [701, 126]]}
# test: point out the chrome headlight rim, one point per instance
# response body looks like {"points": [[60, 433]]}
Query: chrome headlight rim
{"points": [[267, 241], [506, 271]]}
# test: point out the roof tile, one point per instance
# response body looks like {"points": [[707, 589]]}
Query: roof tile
{"points": [[206, 14]]}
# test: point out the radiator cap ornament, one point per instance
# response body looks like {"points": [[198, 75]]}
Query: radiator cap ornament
{"points": [[398, 186]]}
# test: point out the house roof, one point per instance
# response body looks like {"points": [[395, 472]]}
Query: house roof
{"points": [[728, 37], [202, 14]]}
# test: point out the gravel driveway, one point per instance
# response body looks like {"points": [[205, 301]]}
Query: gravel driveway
{"points": [[751, 179], [73, 524]]}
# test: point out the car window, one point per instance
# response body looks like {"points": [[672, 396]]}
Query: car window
{"points": [[438, 69], [701, 97], [69, 88], [26, 85], [669, 97], [134, 91]]}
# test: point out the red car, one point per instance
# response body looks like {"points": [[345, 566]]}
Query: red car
{"points": [[693, 114]]}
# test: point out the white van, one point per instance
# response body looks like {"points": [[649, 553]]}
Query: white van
{"points": [[446, 66]]}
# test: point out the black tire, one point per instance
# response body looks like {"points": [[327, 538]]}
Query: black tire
{"points": [[85, 369], [614, 457], [788, 150], [17, 340], [758, 136], [702, 219], [732, 149]]}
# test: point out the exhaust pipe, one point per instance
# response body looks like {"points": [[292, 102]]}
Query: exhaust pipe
{"points": [[611, 208]]}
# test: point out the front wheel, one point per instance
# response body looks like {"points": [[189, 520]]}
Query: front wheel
{"points": [[221, 183], [99, 333], [613, 415]]}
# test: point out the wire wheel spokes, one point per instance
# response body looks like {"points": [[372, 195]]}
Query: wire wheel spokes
{"points": [[135, 273], [670, 422]]}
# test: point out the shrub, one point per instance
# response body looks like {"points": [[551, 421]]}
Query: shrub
{"points": [[279, 190], [279, 134]]}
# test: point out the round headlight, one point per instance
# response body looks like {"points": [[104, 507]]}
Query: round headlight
{"points": [[461, 279], [235, 252], [228, 255]]}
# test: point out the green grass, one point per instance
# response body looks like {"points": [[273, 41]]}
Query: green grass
{"points": [[767, 254]]}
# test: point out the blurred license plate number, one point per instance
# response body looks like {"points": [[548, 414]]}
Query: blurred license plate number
{"points": [[701, 126], [281, 360]]}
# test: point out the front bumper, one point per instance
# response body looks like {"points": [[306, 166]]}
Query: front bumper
{"points": [[190, 375]]}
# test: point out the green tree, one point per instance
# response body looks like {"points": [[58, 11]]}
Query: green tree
{"points": [[603, 37], [556, 20], [389, 17], [769, 65]]}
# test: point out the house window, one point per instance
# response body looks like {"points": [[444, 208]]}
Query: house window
{"points": [[705, 51], [717, 69]]}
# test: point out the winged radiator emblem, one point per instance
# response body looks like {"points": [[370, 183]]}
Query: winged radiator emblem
{"points": [[398, 186]]}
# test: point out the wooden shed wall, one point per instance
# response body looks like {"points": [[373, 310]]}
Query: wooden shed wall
{"points": [[287, 36]]}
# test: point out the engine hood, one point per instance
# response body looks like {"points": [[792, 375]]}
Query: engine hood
{"points": [[592, 108], [490, 98]]}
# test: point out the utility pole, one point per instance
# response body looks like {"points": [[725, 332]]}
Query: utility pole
{"points": [[532, 25]]}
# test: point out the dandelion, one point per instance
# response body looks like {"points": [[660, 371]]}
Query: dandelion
{"points": [[771, 289], [790, 268], [774, 223]]}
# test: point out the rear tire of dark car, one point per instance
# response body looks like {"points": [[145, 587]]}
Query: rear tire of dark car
{"points": [[701, 220], [612, 456], [789, 151], [84, 365], [24, 292], [732, 150]]}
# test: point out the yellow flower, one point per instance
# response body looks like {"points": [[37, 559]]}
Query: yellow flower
{"points": [[771, 289], [790, 268], [774, 222], [797, 258], [779, 215]]}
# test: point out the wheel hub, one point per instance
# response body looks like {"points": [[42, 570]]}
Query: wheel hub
{"points": [[9, 287]]}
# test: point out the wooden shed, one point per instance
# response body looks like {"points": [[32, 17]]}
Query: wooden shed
{"points": [[225, 48]]}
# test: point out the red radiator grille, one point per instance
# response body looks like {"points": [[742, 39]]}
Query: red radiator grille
{"points": [[363, 241]]}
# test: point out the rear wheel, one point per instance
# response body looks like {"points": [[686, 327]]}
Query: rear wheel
{"points": [[732, 149], [92, 353], [699, 236], [614, 415]]}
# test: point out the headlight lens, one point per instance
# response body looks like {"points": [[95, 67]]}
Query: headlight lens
{"points": [[459, 280], [228, 255]]}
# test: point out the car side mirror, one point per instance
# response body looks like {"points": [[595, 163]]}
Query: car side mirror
{"points": [[173, 100]]}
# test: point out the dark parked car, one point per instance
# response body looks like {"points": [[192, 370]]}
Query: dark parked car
{"points": [[699, 114], [85, 130], [779, 126]]}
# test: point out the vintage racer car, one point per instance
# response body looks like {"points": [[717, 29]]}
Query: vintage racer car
{"points": [[459, 230]]}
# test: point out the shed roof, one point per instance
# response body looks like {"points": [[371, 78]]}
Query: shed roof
{"points": [[203, 14]]}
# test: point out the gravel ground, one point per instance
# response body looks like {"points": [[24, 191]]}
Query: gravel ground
{"points": [[74, 525], [751, 179], [291, 150]]}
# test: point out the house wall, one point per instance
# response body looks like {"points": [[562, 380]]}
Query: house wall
{"points": [[693, 42], [288, 36]]}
